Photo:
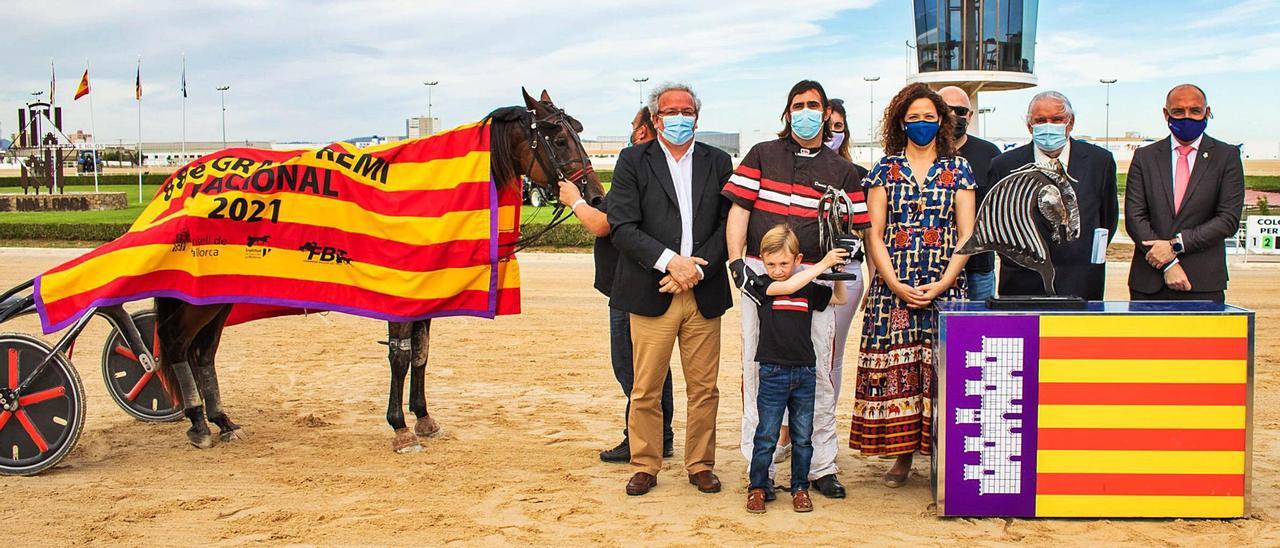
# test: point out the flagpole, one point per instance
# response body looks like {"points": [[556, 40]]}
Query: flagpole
{"points": [[94, 130], [53, 111], [184, 109], [141, 159]]}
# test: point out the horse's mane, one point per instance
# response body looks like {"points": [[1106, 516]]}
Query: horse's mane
{"points": [[502, 162]]}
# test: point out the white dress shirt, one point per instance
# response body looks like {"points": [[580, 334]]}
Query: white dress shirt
{"points": [[1064, 156], [1173, 156], [682, 177]]}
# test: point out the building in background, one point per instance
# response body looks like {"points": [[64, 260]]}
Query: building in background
{"points": [[421, 126], [977, 45], [611, 145]]}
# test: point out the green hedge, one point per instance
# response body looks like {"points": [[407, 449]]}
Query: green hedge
{"points": [[154, 179], [564, 235], [88, 232]]}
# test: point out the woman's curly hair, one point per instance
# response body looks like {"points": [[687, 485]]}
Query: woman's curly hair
{"points": [[894, 137]]}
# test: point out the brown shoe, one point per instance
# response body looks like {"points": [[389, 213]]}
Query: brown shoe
{"points": [[800, 501], [755, 501], [641, 483], [706, 481]]}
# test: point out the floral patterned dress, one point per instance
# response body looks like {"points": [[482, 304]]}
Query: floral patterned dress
{"points": [[893, 412]]}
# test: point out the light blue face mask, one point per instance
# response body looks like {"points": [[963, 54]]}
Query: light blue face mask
{"points": [[806, 123], [1049, 137], [677, 129]]}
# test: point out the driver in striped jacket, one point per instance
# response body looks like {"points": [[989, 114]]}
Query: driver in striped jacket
{"points": [[780, 182]]}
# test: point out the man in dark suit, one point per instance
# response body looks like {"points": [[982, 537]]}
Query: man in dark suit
{"points": [[668, 222], [1182, 201], [1050, 120], [980, 269]]}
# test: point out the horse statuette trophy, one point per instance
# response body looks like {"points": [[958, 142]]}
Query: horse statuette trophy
{"points": [[835, 230], [1009, 222]]}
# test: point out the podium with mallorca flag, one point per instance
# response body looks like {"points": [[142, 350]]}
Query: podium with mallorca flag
{"points": [[1122, 409]]}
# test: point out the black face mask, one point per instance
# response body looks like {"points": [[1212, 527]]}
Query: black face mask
{"points": [[962, 127]]}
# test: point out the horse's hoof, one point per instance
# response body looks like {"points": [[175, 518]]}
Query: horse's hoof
{"points": [[405, 442], [232, 435], [427, 427], [200, 440]]}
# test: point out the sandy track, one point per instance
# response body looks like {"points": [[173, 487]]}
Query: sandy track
{"points": [[526, 403]]}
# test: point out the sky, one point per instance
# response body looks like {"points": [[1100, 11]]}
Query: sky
{"points": [[318, 71]]}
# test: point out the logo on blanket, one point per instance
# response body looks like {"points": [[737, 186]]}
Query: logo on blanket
{"points": [[324, 254], [258, 252]]}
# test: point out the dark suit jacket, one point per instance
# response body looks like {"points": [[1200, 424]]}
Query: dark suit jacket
{"points": [[1094, 170], [1210, 212], [645, 218]]}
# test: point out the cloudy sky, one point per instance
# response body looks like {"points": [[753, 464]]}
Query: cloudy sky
{"points": [[327, 70]]}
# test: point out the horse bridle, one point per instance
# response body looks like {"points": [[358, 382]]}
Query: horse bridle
{"points": [[552, 165]]}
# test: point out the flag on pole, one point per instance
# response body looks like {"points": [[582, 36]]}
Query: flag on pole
{"points": [[83, 89], [184, 76], [137, 83], [53, 82]]}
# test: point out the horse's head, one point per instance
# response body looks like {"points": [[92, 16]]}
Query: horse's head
{"points": [[552, 150]]}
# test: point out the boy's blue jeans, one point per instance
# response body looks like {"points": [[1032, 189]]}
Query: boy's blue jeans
{"points": [[783, 388]]}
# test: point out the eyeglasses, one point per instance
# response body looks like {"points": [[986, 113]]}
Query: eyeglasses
{"points": [[961, 111], [687, 112]]}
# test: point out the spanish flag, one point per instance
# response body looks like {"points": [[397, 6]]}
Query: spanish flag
{"points": [[83, 89], [1132, 424], [405, 231]]}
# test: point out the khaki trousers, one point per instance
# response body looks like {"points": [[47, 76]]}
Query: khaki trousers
{"points": [[652, 339]]}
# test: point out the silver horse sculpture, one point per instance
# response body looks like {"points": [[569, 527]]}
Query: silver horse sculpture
{"points": [[1006, 220]]}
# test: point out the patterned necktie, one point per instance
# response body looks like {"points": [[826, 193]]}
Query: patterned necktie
{"points": [[1181, 176]]}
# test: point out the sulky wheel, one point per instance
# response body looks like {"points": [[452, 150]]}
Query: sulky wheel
{"points": [[148, 396], [39, 425]]}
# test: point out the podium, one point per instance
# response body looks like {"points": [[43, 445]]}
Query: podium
{"points": [[1122, 409]]}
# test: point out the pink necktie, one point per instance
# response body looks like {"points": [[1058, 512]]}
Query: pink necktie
{"points": [[1181, 176]]}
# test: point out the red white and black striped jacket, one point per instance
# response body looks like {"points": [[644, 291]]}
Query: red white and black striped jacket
{"points": [[776, 183]]}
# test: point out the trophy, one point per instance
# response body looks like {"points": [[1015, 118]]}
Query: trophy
{"points": [[1009, 221], [835, 230]]}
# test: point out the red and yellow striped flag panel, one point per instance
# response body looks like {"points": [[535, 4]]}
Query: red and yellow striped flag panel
{"points": [[403, 231], [1142, 415]]}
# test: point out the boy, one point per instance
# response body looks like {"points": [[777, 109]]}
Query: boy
{"points": [[785, 353]]}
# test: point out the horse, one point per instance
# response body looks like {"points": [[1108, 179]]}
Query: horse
{"points": [[539, 141]]}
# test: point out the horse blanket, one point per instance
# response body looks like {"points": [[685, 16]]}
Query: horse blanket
{"points": [[404, 231]]}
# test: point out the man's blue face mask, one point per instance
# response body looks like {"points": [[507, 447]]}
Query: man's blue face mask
{"points": [[677, 129]]}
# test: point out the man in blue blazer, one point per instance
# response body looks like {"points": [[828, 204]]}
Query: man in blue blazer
{"points": [[1050, 120]]}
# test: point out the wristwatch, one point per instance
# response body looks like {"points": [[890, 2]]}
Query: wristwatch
{"points": [[1176, 243]]}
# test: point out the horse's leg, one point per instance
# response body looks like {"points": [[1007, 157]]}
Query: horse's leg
{"points": [[400, 354], [177, 324], [205, 351], [425, 426]]}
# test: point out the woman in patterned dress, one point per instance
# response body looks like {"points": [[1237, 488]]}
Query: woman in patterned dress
{"points": [[922, 207]]}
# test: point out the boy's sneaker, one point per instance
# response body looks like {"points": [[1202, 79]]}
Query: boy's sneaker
{"points": [[755, 501], [781, 454], [800, 501]]}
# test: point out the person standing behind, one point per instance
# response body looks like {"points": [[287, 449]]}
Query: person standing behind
{"points": [[1050, 120], [921, 201], [980, 270], [779, 182], [668, 222], [1182, 201], [606, 259], [788, 298], [844, 311]]}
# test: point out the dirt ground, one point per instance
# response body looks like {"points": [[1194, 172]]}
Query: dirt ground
{"points": [[526, 403]]}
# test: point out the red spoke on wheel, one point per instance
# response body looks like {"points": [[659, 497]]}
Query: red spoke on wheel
{"points": [[142, 383], [4, 418], [124, 351], [31, 431], [13, 368], [43, 395]]}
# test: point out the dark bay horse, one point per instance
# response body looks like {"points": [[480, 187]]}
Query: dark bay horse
{"points": [[538, 140]]}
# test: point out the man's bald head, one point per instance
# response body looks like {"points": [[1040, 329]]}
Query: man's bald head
{"points": [[955, 97], [1186, 92]]}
